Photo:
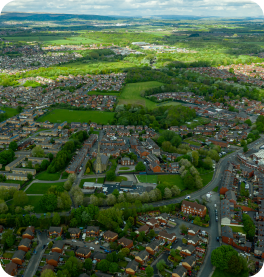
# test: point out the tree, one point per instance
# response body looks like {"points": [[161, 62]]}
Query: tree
{"points": [[88, 264], [111, 200], [38, 152], [149, 271], [183, 228], [67, 185], [167, 193], [220, 256], [140, 167], [115, 193], [8, 237], [110, 175], [20, 198], [30, 177], [173, 252], [113, 267], [245, 148], [234, 265], [44, 165], [19, 109], [13, 145], [74, 266], [48, 273], [29, 208], [195, 157], [28, 255], [161, 265], [175, 190], [103, 265], [125, 251], [56, 219], [3, 207], [48, 202], [207, 218]]}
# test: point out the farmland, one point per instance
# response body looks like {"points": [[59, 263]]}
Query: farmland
{"points": [[61, 115]]}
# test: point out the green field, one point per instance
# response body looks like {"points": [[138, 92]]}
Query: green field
{"points": [[57, 40], [9, 111], [207, 178], [124, 168], [172, 180], [41, 188], [60, 115], [238, 229], [120, 178], [103, 93], [147, 178], [131, 94], [99, 181], [220, 273], [45, 176], [192, 142]]}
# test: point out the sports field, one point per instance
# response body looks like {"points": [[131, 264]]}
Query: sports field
{"points": [[41, 188], [60, 115], [131, 94], [58, 40]]}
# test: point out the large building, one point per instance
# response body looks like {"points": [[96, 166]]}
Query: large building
{"points": [[101, 162]]}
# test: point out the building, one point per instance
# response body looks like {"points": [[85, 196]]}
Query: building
{"points": [[110, 236], [189, 262], [24, 245], [153, 247], [187, 250], [18, 257], [132, 267], [179, 271], [53, 259], [92, 231], [11, 269], [193, 230], [101, 163], [29, 233], [127, 161], [127, 243], [58, 246], [74, 233], [55, 231], [163, 235], [193, 208], [142, 257], [83, 252]]}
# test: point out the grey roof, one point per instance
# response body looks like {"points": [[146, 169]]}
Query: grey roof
{"points": [[193, 238], [55, 229], [92, 228], [59, 244], [74, 230], [54, 256], [126, 183], [26, 242], [104, 159], [154, 244], [180, 270], [101, 274], [194, 228], [99, 256], [189, 260], [227, 232], [189, 247], [83, 250], [230, 195], [142, 254], [19, 254], [10, 267], [84, 275], [133, 265]]}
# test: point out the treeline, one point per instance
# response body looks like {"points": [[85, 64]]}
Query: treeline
{"points": [[161, 117]]}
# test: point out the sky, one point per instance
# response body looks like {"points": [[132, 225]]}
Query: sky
{"points": [[223, 8]]}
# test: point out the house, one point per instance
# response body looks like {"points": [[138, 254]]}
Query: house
{"points": [[187, 250], [153, 247], [180, 271], [24, 245], [98, 256], [83, 252], [101, 274], [163, 235], [231, 196], [219, 142], [127, 243], [227, 212], [132, 267], [18, 257], [193, 208], [173, 167], [11, 269], [152, 223], [193, 230], [47, 267], [93, 231], [74, 233], [163, 218], [53, 259], [227, 235], [189, 262], [193, 240], [29, 233], [142, 257], [127, 161], [143, 228], [58, 246], [55, 231], [110, 236]]}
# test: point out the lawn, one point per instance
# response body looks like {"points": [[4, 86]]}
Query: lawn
{"points": [[147, 178], [192, 142], [60, 115], [220, 273], [131, 94], [8, 255], [99, 181], [238, 229], [120, 178], [207, 178], [41, 188], [9, 111], [54, 39], [172, 180], [103, 93], [124, 168], [215, 189], [45, 176]]}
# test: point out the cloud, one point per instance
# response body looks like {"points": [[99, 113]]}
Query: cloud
{"points": [[139, 7]]}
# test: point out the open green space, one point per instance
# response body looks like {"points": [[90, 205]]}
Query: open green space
{"points": [[10, 112], [99, 181], [45, 176], [220, 273], [215, 189], [192, 142], [207, 178], [103, 93], [56, 40], [124, 168], [172, 180], [60, 115], [41, 188], [147, 178], [120, 178], [131, 94], [35, 202], [238, 229]]}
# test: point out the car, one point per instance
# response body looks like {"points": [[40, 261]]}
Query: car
{"points": [[43, 246], [188, 197], [192, 221], [74, 240], [216, 218], [142, 268], [217, 238], [215, 205], [97, 242], [91, 248]]}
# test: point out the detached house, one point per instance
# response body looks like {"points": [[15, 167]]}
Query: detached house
{"points": [[74, 233], [187, 250], [110, 236], [93, 231], [29, 233], [127, 243], [55, 231], [163, 235], [53, 259], [83, 252], [153, 247], [24, 245], [189, 262], [142, 257], [143, 228], [18, 257], [11, 269], [193, 230], [193, 240], [132, 267], [58, 246]]}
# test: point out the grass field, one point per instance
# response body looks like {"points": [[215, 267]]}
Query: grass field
{"points": [[171, 103], [120, 178], [207, 178], [60, 115], [99, 181], [45, 176], [9, 111], [215, 189], [238, 229], [192, 142], [41, 188], [124, 168], [131, 94], [35, 202], [58, 40], [147, 178], [172, 179], [103, 93], [220, 273]]}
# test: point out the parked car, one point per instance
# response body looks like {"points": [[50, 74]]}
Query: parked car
{"points": [[216, 218], [217, 238], [74, 240], [142, 268], [91, 248]]}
